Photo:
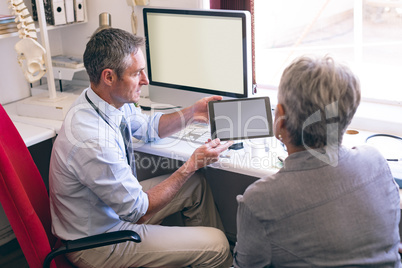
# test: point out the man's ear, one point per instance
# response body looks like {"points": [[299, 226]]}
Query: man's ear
{"points": [[107, 76]]}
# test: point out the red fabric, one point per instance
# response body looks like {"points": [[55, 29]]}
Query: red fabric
{"points": [[23, 195], [230, 4]]}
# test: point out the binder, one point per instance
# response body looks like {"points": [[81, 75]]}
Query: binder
{"points": [[79, 10], [69, 7], [59, 12], [47, 4], [34, 11]]}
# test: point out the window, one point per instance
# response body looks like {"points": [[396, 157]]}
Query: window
{"points": [[364, 34]]}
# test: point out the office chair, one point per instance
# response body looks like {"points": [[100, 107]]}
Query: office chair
{"points": [[25, 201]]}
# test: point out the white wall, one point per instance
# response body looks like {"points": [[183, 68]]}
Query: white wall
{"points": [[13, 85]]}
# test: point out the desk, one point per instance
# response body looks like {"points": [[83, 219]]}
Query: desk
{"points": [[24, 121], [236, 161], [33, 135], [240, 161], [227, 178]]}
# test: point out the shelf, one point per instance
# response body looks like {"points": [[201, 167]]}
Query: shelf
{"points": [[62, 73], [49, 28], [53, 27], [74, 87], [8, 35]]}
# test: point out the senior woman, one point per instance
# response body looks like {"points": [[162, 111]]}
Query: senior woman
{"points": [[329, 205]]}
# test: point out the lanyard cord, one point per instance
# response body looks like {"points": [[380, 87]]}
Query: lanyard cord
{"points": [[105, 118], [99, 112]]}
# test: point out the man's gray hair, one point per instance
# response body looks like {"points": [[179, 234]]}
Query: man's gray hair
{"points": [[316, 92], [110, 48]]}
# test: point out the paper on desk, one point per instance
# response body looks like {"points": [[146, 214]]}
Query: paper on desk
{"points": [[396, 168]]}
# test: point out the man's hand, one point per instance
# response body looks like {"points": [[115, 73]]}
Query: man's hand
{"points": [[206, 154], [200, 108], [173, 122]]}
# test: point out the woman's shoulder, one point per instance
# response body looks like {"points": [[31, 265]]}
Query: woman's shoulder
{"points": [[366, 151], [261, 189]]}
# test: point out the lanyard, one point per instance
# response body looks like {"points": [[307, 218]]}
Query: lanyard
{"points": [[105, 118], [99, 112]]}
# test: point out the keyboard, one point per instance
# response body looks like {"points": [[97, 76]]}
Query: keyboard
{"points": [[196, 133]]}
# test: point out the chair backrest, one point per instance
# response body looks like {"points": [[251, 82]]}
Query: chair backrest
{"points": [[23, 195]]}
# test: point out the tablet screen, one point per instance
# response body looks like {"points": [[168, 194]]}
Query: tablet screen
{"points": [[240, 118]]}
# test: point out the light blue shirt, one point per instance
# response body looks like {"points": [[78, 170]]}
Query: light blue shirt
{"points": [[91, 186]]}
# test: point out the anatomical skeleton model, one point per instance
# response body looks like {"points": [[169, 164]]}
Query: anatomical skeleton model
{"points": [[30, 53]]}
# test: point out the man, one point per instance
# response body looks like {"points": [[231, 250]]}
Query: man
{"points": [[93, 186]]}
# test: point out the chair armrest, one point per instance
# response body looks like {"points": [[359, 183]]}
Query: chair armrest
{"points": [[92, 242]]}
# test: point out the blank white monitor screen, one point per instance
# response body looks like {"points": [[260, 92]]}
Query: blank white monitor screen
{"points": [[198, 50]]}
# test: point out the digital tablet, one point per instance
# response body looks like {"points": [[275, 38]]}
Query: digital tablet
{"points": [[238, 119]]}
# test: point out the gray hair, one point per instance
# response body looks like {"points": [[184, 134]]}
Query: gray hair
{"points": [[110, 49], [316, 93]]}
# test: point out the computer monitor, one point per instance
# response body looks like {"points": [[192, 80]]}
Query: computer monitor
{"points": [[196, 53]]}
